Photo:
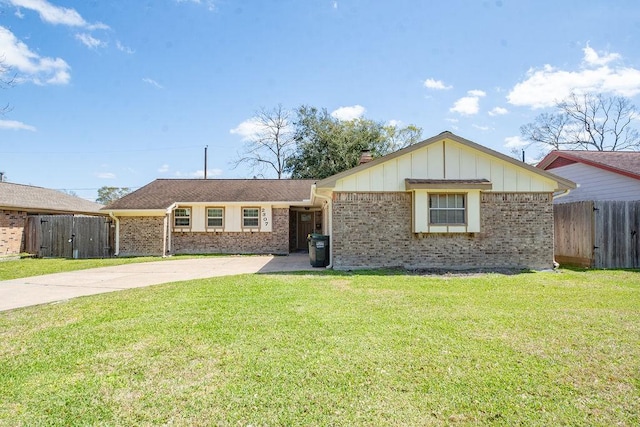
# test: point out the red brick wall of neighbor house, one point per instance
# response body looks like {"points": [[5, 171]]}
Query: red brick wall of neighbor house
{"points": [[12, 225], [141, 235], [274, 242], [375, 230]]}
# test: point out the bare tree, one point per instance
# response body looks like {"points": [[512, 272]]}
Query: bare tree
{"points": [[586, 122], [5, 82], [271, 144]]}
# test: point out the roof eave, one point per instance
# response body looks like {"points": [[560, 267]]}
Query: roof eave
{"points": [[45, 211]]}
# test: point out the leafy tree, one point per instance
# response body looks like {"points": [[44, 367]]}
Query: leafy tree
{"points": [[399, 138], [586, 122], [272, 143], [326, 145], [107, 194]]}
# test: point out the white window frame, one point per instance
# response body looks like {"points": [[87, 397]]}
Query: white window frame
{"points": [[245, 218], [189, 216], [214, 227], [447, 208]]}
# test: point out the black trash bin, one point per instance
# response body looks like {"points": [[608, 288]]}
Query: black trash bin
{"points": [[318, 250]]}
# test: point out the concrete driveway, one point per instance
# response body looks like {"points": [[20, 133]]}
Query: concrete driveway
{"points": [[62, 286]]}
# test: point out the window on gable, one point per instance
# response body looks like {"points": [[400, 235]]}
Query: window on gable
{"points": [[215, 217], [182, 217], [447, 209], [250, 217]]}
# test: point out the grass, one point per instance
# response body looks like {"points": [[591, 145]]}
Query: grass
{"points": [[332, 349]]}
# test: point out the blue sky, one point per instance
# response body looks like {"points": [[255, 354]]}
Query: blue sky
{"points": [[122, 92]]}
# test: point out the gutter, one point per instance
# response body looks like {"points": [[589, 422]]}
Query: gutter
{"points": [[329, 222], [117, 221], [564, 193]]}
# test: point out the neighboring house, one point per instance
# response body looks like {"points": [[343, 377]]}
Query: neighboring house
{"points": [[600, 175], [597, 224], [444, 203], [18, 201], [178, 216]]}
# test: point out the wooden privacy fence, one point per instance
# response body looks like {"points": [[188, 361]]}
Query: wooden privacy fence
{"points": [[69, 236], [598, 234]]}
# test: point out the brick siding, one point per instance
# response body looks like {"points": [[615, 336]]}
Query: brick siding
{"points": [[12, 225], [274, 242], [141, 235], [374, 230]]}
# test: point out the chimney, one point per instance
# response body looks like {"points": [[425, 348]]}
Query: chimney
{"points": [[365, 157]]}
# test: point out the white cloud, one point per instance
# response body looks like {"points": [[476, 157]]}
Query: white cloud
{"points": [[482, 128], [164, 168], [90, 41], [57, 15], [106, 175], [592, 57], [468, 105], [498, 111], [15, 125], [545, 86], [152, 83], [436, 84], [515, 142], [348, 113], [450, 120], [477, 93], [30, 65], [334, 4], [123, 48], [248, 129], [395, 123]]}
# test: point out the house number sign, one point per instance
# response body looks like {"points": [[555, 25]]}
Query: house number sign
{"points": [[265, 218]]}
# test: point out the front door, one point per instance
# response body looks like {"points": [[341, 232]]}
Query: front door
{"points": [[306, 221]]}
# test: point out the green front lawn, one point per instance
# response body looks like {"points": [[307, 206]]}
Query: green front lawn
{"points": [[332, 349]]}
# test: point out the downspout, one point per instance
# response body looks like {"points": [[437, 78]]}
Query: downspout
{"points": [[117, 221], [329, 222], [166, 235]]}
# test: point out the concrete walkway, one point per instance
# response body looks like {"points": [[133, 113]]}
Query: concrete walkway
{"points": [[62, 286]]}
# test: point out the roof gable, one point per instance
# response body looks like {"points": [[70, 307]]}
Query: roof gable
{"points": [[445, 156], [162, 193], [43, 200], [625, 163]]}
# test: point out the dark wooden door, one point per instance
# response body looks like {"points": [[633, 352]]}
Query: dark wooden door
{"points": [[306, 221]]}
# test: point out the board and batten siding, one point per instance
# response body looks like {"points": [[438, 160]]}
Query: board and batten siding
{"points": [[597, 184], [445, 160]]}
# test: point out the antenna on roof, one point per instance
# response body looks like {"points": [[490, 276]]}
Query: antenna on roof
{"points": [[205, 161]]}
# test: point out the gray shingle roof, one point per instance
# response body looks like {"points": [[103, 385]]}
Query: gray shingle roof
{"points": [[162, 193], [623, 162], [43, 200]]}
